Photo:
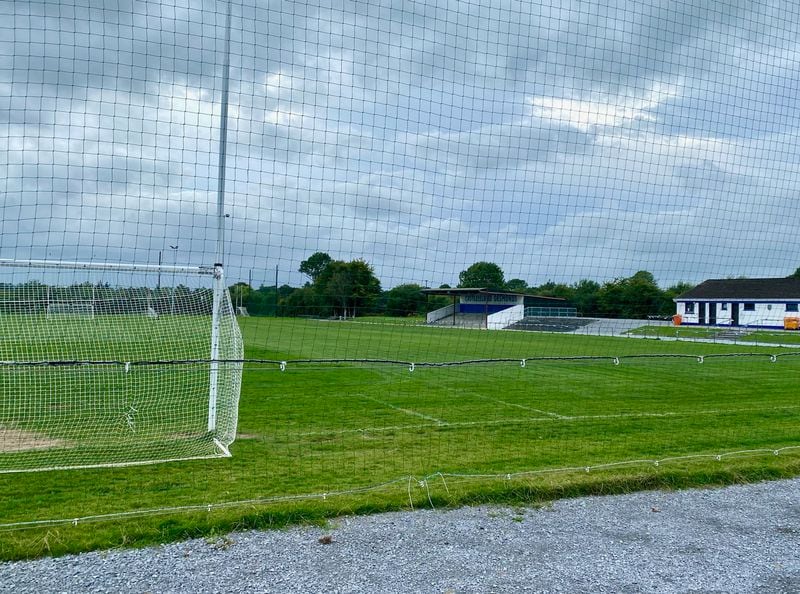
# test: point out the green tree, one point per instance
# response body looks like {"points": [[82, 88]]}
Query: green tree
{"points": [[486, 275], [299, 302], [240, 294], [263, 301], [347, 288], [551, 289], [405, 300], [517, 285], [285, 290], [795, 274], [315, 265], [434, 302], [584, 296], [668, 307], [635, 297], [266, 301]]}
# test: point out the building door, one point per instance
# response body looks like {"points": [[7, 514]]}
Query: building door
{"points": [[701, 313], [734, 314], [712, 313]]}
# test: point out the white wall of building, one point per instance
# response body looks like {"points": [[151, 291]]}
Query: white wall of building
{"points": [[501, 319], [764, 313], [440, 313]]}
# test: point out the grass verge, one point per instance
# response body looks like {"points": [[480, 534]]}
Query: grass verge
{"points": [[532, 491], [320, 428]]}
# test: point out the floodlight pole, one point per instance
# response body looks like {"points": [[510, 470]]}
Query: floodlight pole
{"points": [[223, 142], [219, 276]]}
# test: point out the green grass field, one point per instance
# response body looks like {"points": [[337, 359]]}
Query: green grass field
{"points": [[103, 412], [376, 436], [676, 331], [790, 337]]}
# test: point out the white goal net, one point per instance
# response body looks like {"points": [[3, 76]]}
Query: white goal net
{"points": [[137, 374], [73, 308]]}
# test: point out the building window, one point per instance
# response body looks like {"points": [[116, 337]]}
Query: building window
{"points": [[749, 306], [791, 307], [724, 306], [689, 308]]}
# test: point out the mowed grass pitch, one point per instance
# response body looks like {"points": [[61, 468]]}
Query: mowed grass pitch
{"points": [[775, 336], [345, 429], [93, 409]]}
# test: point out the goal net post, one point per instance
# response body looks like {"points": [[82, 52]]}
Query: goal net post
{"points": [[138, 373], [74, 308]]}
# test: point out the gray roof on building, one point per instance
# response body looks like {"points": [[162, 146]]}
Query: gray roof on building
{"points": [[464, 291], [745, 288], [459, 291]]}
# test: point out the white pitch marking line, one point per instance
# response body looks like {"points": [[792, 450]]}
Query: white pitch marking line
{"points": [[521, 406], [457, 424], [530, 408], [406, 410], [677, 413]]}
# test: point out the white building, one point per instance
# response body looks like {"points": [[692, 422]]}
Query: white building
{"points": [[752, 302]]}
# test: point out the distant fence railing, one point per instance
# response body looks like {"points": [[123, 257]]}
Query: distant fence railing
{"points": [[551, 312]]}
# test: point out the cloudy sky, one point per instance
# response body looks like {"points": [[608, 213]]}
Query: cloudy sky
{"points": [[562, 140]]}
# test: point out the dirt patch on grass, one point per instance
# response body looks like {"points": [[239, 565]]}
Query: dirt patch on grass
{"points": [[248, 436], [18, 440]]}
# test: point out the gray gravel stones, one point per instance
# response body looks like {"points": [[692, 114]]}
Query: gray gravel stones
{"points": [[736, 539]]}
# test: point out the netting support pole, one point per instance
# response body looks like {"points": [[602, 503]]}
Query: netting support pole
{"points": [[223, 141], [216, 319], [219, 282]]}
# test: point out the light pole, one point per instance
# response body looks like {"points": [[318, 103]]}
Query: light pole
{"points": [[175, 265]]}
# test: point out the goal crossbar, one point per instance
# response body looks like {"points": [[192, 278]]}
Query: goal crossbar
{"points": [[202, 270]]}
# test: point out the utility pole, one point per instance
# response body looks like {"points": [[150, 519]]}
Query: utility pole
{"points": [[276, 290]]}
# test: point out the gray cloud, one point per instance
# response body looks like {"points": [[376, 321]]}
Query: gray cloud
{"points": [[561, 140]]}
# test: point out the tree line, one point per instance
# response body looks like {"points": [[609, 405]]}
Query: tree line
{"points": [[335, 288], [636, 296], [34, 297], [347, 289]]}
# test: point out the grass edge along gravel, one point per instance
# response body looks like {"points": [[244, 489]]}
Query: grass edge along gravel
{"points": [[75, 537]]}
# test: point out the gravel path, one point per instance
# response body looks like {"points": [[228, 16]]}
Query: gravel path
{"points": [[736, 539]]}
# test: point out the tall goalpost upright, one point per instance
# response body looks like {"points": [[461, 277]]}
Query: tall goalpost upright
{"points": [[219, 273], [123, 403]]}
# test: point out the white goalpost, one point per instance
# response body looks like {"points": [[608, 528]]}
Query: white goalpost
{"points": [[110, 381], [70, 308]]}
